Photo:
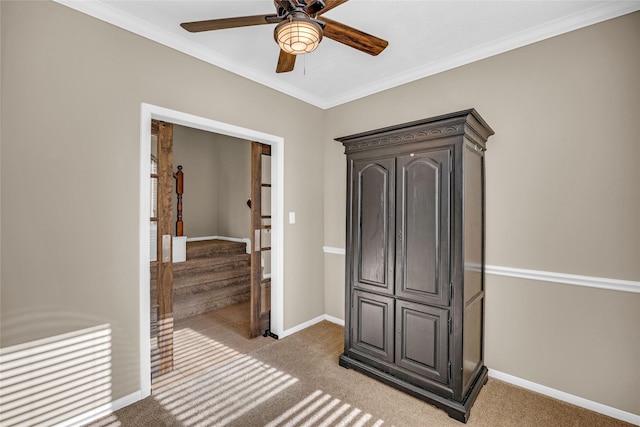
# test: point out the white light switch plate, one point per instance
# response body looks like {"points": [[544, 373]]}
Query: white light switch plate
{"points": [[292, 217]]}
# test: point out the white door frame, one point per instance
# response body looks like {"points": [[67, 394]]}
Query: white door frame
{"points": [[149, 112]]}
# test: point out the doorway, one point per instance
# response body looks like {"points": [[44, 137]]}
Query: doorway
{"points": [[276, 145]]}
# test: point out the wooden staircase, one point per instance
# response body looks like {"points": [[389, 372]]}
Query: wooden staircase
{"points": [[216, 274]]}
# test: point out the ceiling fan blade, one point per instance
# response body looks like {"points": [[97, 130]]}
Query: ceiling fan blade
{"points": [[220, 24], [354, 38], [286, 62], [330, 4]]}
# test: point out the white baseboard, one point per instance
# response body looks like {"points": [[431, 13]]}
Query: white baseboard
{"points": [[302, 326], [101, 411], [566, 397], [312, 322], [335, 320]]}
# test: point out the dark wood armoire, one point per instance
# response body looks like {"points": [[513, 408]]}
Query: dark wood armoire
{"points": [[414, 314]]}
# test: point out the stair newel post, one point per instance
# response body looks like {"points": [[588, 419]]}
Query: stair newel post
{"points": [[179, 176]]}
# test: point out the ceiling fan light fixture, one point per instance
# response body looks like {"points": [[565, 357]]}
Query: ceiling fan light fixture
{"points": [[298, 34]]}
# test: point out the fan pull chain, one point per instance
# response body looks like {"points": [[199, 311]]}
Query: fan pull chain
{"points": [[304, 60]]}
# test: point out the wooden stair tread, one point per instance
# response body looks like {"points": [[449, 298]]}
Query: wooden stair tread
{"points": [[206, 265], [209, 261], [203, 283], [215, 294], [217, 273], [208, 248], [204, 302], [206, 284]]}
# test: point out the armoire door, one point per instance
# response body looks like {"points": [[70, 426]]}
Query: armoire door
{"points": [[372, 325], [373, 224], [422, 221], [422, 344]]}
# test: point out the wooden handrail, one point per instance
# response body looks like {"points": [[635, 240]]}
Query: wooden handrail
{"points": [[179, 176]]}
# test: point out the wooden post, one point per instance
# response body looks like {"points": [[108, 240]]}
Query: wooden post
{"points": [[165, 267], [256, 225], [260, 289], [179, 176]]}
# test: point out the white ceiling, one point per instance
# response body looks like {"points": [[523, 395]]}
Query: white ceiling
{"points": [[425, 38]]}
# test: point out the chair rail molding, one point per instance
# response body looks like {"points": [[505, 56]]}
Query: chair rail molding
{"points": [[565, 279], [333, 250], [545, 276]]}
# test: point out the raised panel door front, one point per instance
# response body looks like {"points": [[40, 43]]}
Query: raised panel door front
{"points": [[422, 212], [372, 325], [423, 340], [373, 224]]}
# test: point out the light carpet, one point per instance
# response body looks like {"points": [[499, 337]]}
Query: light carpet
{"points": [[297, 381]]}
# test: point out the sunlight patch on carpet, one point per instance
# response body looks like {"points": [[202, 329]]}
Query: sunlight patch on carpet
{"points": [[224, 394], [193, 354], [110, 421], [321, 410]]}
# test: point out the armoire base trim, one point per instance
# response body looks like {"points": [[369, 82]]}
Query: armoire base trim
{"points": [[457, 410]]}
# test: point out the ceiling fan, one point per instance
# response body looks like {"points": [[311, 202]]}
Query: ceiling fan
{"points": [[299, 30]]}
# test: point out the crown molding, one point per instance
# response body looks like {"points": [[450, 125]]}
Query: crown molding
{"points": [[594, 15], [111, 15]]}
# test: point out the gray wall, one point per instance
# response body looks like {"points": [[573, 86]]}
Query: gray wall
{"points": [[70, 173], [197, 153], [217, 182], [563, 196], [234, 187]]}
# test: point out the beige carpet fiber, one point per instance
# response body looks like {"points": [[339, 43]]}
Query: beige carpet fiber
{"points": [[297, 381]]}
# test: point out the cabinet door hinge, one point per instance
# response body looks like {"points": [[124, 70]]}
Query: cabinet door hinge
{"points": [[449, 324]]}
